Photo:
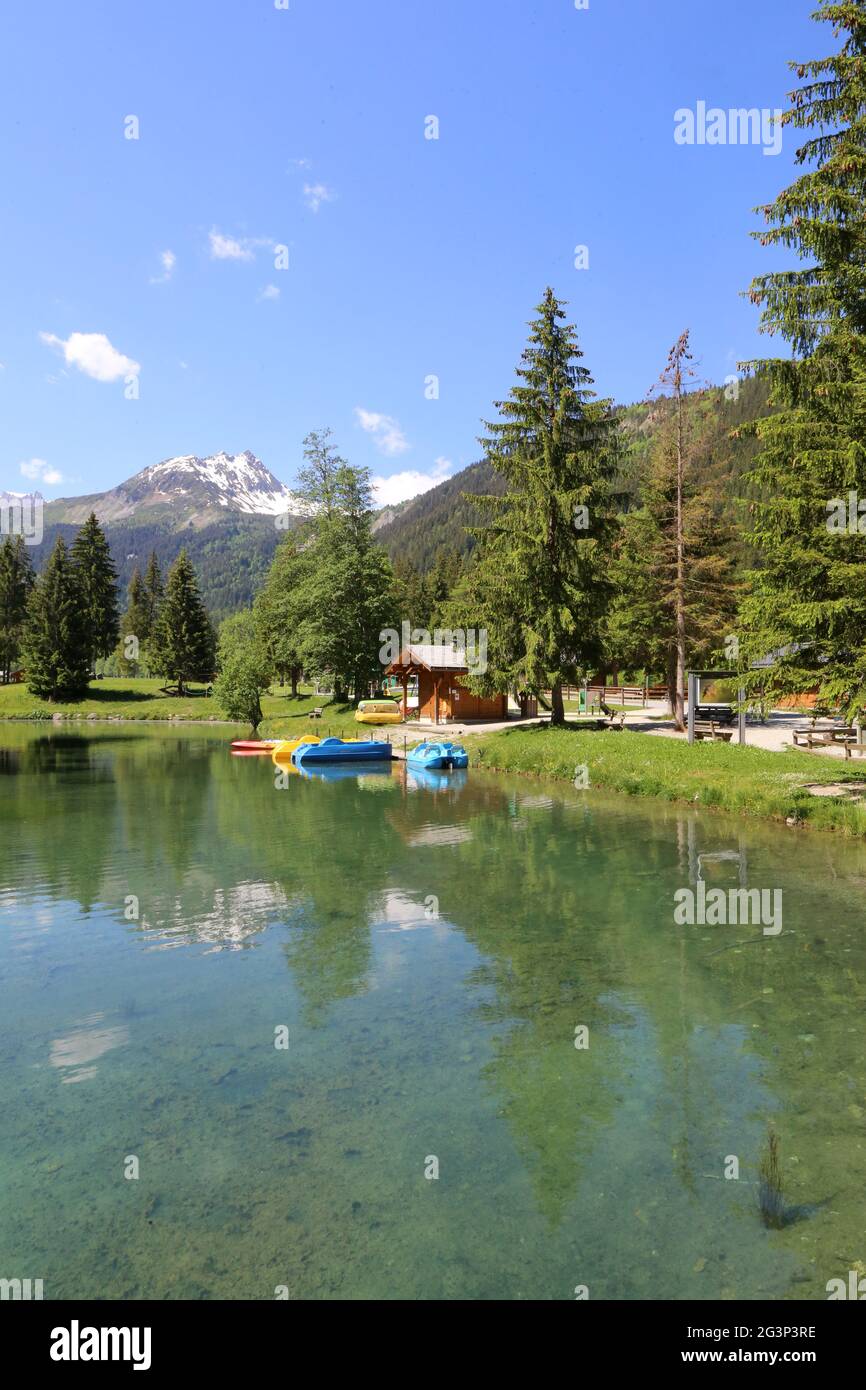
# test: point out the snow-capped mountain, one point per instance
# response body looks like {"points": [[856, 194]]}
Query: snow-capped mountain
{"points": [[186, 490], [237, 481]]}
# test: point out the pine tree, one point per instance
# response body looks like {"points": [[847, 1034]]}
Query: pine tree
{"points": [[807, 605], [444, 578], [57, 638], [544, 551], [97, 584], [154, 591], [412, 600], [182, 645], [134, 627], [16, 583]]}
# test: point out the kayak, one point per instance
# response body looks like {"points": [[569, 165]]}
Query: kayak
{"points": [[442, 754], [251, 745]]}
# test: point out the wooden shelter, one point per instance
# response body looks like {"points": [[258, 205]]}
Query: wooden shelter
{"points": [[442, 694]]}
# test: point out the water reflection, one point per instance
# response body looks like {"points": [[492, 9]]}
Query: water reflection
{"points": [[553, 913]]}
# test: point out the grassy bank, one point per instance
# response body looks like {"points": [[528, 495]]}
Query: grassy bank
{"points": [[745, 781], [143, 699]]}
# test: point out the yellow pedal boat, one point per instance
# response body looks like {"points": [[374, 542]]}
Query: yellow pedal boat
{"points": [[282, 751], [378, 712]]}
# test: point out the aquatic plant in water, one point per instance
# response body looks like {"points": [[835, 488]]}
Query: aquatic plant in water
{"points": [[770, 1196]]}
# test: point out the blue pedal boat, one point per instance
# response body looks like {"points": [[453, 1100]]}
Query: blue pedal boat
{"points": [[439, 754], [338, 750]]}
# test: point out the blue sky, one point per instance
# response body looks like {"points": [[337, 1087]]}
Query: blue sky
{"points": [[408, 257]]}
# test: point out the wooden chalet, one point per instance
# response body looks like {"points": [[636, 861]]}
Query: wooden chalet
{"points": [[442, 694]]}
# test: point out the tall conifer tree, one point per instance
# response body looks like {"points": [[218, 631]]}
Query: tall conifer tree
{"points": [[807, 606], [97, 585], [182, 646], [547, 541], [16, 583], [56, 642]]}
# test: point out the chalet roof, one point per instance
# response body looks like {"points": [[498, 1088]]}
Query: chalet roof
{"points": [[443, 657]]}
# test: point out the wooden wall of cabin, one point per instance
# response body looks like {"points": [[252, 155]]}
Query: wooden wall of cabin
{"points": [[455, 701]]}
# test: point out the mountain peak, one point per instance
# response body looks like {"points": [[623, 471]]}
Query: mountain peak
{"points": [[197, 490]]}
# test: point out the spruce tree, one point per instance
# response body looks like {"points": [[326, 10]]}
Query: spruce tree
{"points": [[807, 605], [182, 645], [546, 544], [134, 627], [57, 638], [97, 584], [16, 583], [154, 590]]}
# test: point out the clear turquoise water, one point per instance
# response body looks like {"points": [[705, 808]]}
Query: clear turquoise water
{"points": [[409, 1036]]}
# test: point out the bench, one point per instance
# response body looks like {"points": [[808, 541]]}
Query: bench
{"points": [[615, 718], [316, 713], [716, 732]]}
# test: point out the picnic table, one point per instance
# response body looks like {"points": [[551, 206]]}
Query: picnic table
{"points": [[824, 736]]}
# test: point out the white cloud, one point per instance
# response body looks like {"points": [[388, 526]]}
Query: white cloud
{"points": [[94, 355], [410, 483], [301, 163], [389, 437], [169, 261], [40, 471], [315, 194], [229, 248], [269, 292]]}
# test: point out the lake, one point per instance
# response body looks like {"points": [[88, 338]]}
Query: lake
{"points": [[318, 1039]]}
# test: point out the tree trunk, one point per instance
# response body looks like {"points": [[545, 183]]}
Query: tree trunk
{"points": [[557, 708], [672, 682], [680, 590], [294, 678], [256, 716]]}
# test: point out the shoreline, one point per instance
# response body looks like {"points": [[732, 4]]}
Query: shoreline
{"points": [[752, 783]]}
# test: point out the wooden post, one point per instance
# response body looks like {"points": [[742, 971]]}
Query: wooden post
{"points": [[741, 716], [405, 680]]}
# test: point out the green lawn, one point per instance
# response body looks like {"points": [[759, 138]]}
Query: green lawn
{"points": [[142, 699], [745, 781]]}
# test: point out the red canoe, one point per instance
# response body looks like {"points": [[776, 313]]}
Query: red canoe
{"points": [[246, 745]]}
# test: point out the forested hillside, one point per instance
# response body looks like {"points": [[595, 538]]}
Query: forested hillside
{"points": [[232, 557]]}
